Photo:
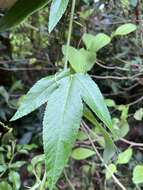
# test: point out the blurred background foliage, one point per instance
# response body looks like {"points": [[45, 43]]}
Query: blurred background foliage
{"points": [[28, 52]]}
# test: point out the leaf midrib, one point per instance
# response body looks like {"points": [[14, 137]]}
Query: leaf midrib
{"points": [[61, 123]]}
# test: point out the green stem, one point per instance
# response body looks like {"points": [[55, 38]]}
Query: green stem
{"points": [[70, 32], [42, 186]]}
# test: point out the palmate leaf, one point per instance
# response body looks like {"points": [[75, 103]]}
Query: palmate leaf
{"points": [[93, 98], [38, 94], [57, 10], [19, 12], [60, 127]]}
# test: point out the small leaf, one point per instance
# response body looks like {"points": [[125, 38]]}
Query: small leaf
{"points": [[19, 12], [113, 170], [121, 128], [139, 114], [38, 95], [124, 157], [125, 29], [110, 103], [5, 186], [57, 10], [81, 60], [61, 124], [138, 174], [95, 43], [93, 98], [3, 168], [17, 164], [82, 153], [14, 178]]}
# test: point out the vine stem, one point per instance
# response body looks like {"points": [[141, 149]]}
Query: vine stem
{"points": [[70, 32], [86, 129]]}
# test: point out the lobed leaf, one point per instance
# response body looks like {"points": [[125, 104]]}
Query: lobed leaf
{"points": [[93, 98], [38, 95]]}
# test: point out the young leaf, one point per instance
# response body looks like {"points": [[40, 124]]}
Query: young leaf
{"points": [[19, 12], [61, 123], [124, 157], [113, 169], [5, 185], [14, 178], [93, 98], [57, 10], [138, 174], [38, 95], [95, 43], [124, 29], [82, 153], [109, 149], [81, 60], [139, 114]]}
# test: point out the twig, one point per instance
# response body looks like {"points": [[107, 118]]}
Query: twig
{"points": [[86, 129], [111, 68], [136, 101], [134, 77], [27, 69], [131, 142]]}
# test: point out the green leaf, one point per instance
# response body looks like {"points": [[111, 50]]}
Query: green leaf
{"points": [[139, 114], [38, 94], [19, 12], [124, 157], [17, 164], [125, 29], [109, 149], [93, 98], [138, 174], [121, 128], [3, 168], [5, 186], [113, 170], [82, 153], [14, 178], [57, 10], [95, 43], [61, 124], [110, 103], [81, 60]]}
